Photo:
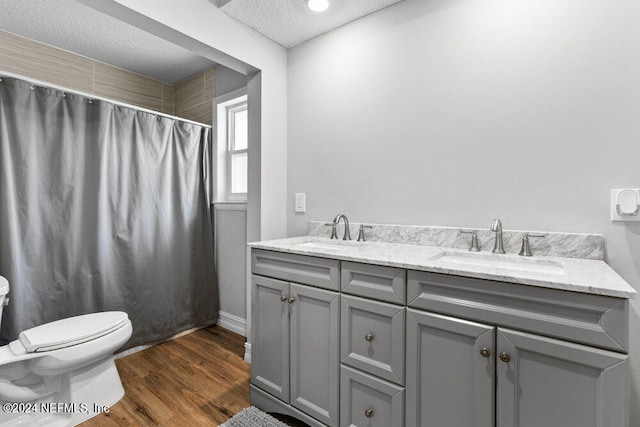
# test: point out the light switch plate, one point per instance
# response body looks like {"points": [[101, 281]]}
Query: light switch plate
{"points": [[301, 204], [628, 199]]}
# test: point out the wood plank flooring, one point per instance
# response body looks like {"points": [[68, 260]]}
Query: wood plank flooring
{"points": [[199, 379]]}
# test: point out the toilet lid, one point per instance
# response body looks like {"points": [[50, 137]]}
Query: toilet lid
{"points": [[71, 331], [4, 286]]}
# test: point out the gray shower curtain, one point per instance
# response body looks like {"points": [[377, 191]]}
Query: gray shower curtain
{"points": [[103, 207]]}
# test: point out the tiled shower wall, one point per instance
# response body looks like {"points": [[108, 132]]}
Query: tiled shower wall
{"points": [[194, 96], [190, 99]]}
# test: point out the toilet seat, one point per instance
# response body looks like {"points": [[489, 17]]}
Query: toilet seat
{"points": [[71, 331], [4, 286]]}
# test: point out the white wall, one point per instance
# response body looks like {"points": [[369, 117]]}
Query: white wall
{"points": [[453, 112], [228, 80], [230, 221]]}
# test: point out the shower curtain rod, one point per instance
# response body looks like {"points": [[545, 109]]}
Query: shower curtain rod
{"points": [[100, 98]]}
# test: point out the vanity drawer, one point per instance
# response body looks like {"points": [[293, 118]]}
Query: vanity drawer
{"points": [[372, 337], [596, 320], [307, 270], [374, 281], [369, 401]]}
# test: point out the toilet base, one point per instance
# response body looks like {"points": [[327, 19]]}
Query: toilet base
{"points": [[84, 393]]}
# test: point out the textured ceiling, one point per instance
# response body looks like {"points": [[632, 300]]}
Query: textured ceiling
{"points": [[290, 22], [77, 28]]}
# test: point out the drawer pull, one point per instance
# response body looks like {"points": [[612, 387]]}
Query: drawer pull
{"points": [[485, 352], [505, 357], [369, 337], [368, 413], [291, 300], [283, 298]]}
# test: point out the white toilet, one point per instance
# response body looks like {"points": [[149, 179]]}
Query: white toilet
{"points": [[61, 373]]}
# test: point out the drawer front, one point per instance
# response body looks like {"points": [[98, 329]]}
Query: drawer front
{"points": [[368, 401], [372, 337], [374, 281], [590, 319], [308, 270]]}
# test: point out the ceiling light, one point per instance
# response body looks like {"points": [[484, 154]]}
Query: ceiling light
{"points": [[318, 5]]}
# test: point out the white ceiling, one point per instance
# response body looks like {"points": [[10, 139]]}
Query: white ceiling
{"points": [[291, 22], [72, 26], [77, 28]]}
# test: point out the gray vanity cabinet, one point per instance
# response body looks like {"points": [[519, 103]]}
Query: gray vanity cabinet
{"points": [[369, 401], [296, 330], [314, 360], [372, 337], [270, 346], [460, 365], [547, 382], [353, 344], [373, 342], [450, 366]]}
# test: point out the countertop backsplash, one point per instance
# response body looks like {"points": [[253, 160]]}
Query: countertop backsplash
{"points": [[567, 245]]}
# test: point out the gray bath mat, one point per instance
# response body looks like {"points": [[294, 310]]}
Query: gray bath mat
{"points": [[252, 417]]}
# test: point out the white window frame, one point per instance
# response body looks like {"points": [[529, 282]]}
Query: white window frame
{"points": [[222, 105], [231, 110]]}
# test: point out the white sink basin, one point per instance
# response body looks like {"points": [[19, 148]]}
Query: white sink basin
{"points": [[512, 263], [335, 245]]}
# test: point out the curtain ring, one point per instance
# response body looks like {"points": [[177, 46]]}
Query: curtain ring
{"points": [[31, 86]]}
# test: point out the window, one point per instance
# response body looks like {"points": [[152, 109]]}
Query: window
{"points": [[232, 147], [237, 145]]}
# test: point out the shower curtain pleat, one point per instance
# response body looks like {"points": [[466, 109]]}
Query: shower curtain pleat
{"points": [[103, 207]]}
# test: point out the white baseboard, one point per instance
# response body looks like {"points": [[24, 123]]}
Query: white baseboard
{"points": [[225, 320], [138, 348], [233, 323], [247, 352]]}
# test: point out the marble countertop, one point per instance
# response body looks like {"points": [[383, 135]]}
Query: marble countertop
{"points": [[569, 274]]}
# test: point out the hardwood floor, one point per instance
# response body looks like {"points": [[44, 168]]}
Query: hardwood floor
{"points": [[199, 379]]}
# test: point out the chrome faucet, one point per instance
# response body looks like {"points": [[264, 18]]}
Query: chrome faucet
{"points": [[473, 247], [336, 220], [334, 235], [361, 236], [526, 249], [496, 226]]}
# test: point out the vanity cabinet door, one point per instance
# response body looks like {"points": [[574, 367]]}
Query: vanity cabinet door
{"points": [[315, 375], [450, 372], [547, 382], [270, 342]]}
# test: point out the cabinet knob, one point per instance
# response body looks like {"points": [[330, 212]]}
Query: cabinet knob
{"points": [[505, 357], [369, 337], [485, 352], [283, 298], [291, 300], [368, 413]]}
